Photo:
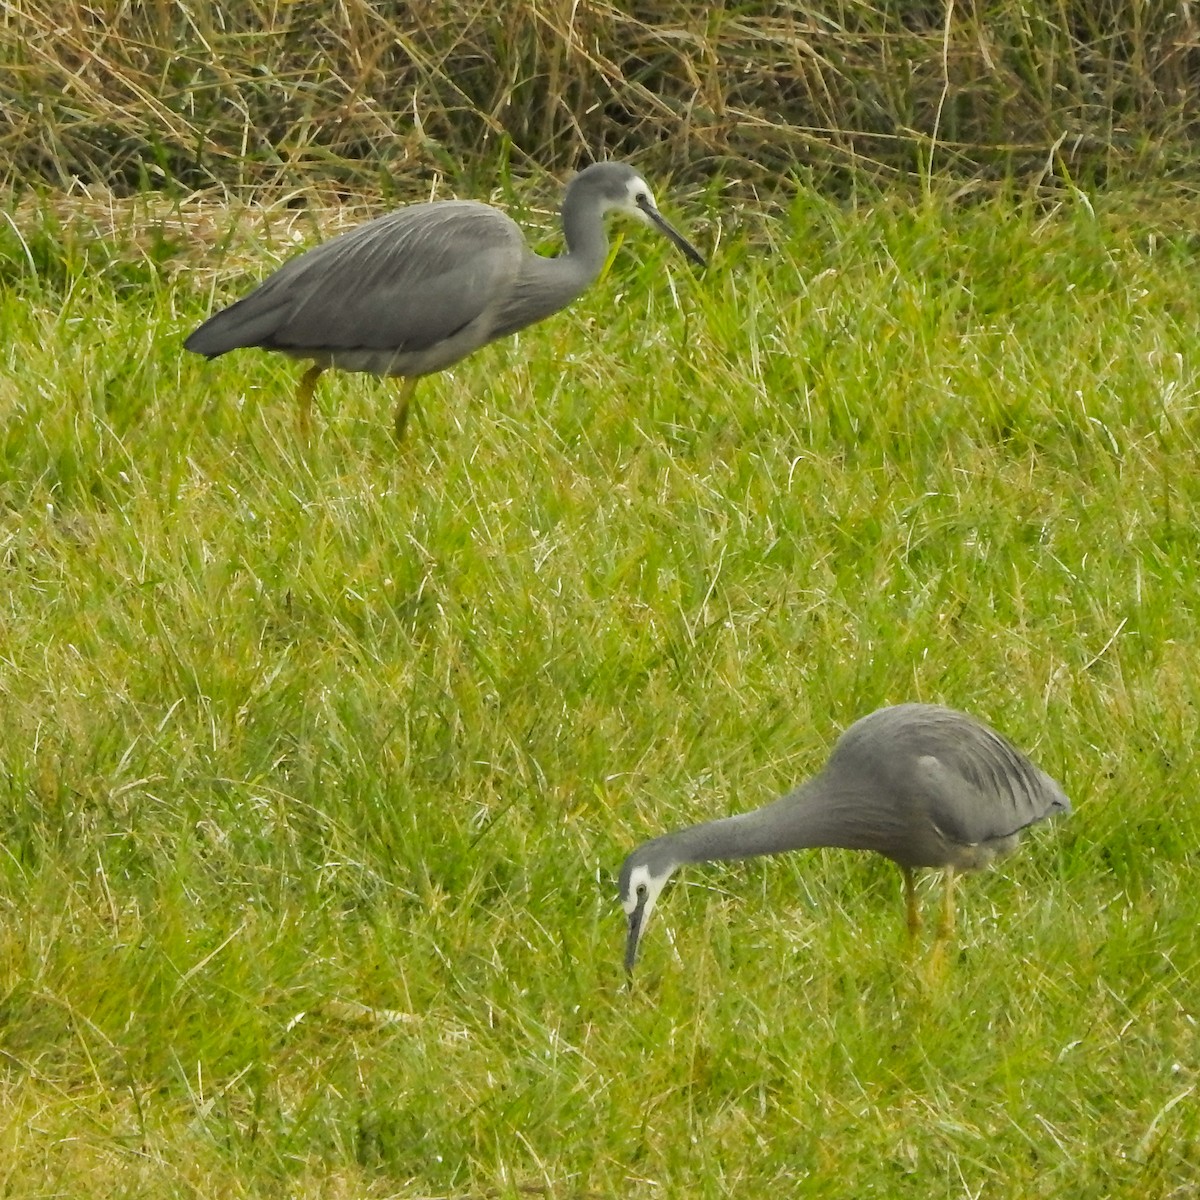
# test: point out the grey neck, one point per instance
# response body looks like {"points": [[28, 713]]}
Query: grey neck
{"points": [[814, 814], [585, 235]]}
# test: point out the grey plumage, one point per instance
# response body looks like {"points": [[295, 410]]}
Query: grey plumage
{"points": [[923, 785], [416, 290]]}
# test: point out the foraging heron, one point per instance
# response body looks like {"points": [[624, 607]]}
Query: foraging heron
{"points": [[923, 785], [414, 291]]}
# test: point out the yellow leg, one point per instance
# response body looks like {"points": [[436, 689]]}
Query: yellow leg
{"points": [[407, 387], [946, 924], [945, 929], [304, 394], [910, 901]]}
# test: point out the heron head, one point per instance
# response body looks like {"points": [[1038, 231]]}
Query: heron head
{"points": [[643, 877], [621, 189]]}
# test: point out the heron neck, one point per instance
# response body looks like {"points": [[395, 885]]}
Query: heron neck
{"points": [[587, 241], [814, 814]]}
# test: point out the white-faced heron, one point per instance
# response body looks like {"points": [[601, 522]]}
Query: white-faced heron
{"points": [[414, 291], [922, 785]]}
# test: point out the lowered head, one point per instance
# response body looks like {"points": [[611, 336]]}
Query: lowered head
{"points": [[644, 874]]}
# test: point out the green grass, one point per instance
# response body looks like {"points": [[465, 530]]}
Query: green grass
{"points": [[289, 724]]}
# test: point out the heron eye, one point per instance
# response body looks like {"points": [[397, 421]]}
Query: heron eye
{"points": [[641, 889]]}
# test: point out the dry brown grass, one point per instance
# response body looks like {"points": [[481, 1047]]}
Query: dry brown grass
{"points": [[274, 93]]}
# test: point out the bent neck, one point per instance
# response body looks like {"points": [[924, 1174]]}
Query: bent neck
{"points": [[814, 814]]}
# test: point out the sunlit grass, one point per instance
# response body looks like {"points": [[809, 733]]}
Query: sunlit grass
{"points": [[292, 724]]}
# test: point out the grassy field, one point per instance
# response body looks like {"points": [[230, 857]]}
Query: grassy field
{"points": [[292, 727]]}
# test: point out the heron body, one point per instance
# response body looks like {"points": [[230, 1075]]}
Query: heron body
{"points": [[412, 292], [923, 785]]}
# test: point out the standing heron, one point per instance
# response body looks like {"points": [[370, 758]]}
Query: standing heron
{"points": [[414, 291], [922, 785]]}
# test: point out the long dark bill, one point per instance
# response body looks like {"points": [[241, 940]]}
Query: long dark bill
{"points": [[633, 937], [671, 232]]}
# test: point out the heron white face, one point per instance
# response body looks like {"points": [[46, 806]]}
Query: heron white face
{"points": [[642, 892], [638, 897], [639, 201]]}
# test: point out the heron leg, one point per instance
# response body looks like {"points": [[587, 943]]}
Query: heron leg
{"points": [[407, 386], [910, 901], [304, 394], [946, 925], [945, 929]]}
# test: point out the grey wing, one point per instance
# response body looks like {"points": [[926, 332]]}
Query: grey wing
{"points": [[402, 282], [984, 788]]}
